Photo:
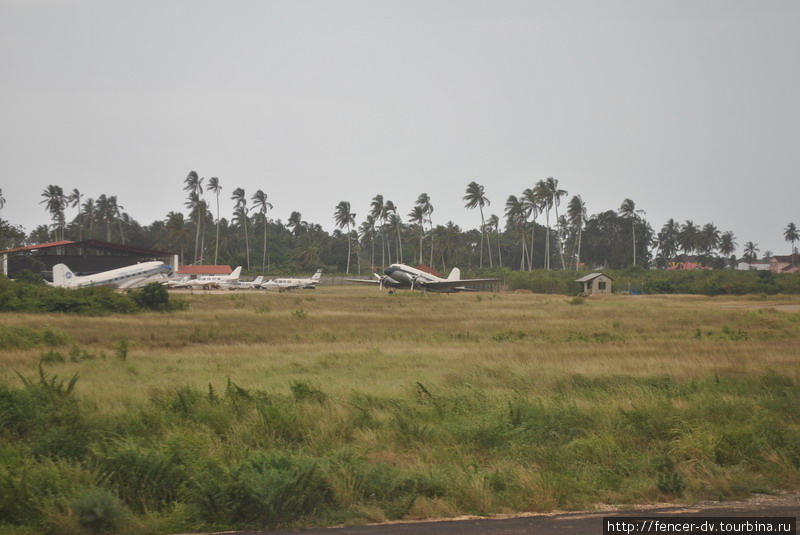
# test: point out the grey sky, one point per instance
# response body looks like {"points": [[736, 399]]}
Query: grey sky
{"points": [[690, 108]]}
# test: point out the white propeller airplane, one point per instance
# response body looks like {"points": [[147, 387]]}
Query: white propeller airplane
{"points": [[215, 281], [401, 276], [124, 277], [293, 284], [243, 285], [183, 282]]}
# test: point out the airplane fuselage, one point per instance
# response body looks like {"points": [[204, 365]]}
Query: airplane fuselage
{"points": [[125, 277], [406, 277]]}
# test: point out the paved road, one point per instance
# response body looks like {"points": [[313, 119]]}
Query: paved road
{"points": [[583, 523]]}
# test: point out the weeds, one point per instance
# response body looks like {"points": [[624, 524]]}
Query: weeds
{"points": [[121, 349]]}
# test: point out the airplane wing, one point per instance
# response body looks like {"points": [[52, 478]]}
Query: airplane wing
{"points": [[386, 282], [363, 281], [457, 285]]}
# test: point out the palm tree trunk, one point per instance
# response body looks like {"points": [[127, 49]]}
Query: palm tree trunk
{"points": [[216, 246], [530, 253], [246, 242], [197, 233], [547, 241], [499, 252], [431, 244], [264, 252], [482, 229], [348, 249]]}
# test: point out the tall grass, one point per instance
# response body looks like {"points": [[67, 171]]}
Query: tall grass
{"points": [[379, 407]]}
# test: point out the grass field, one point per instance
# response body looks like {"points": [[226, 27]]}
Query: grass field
{"points": [[349, 405]]}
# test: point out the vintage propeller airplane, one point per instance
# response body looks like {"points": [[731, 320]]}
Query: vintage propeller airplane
{"points": [[401, 276]]}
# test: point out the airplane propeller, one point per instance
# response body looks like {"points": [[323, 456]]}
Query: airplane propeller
{"points": [[380, 281]]}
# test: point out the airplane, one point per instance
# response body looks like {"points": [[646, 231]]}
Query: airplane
{"points": [[248, 285], [293, 284], [215, 281], [124, 277], [177, 283], [401, 276]]}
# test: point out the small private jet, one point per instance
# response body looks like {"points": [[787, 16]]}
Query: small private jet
{"points": [[122, 278], [403, 277], [243, 285], [183, 282], [215, 281], [293, 284]]}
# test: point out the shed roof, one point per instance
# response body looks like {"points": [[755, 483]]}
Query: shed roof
{"points": [[592, 276], [39, 246], [97, 244]]}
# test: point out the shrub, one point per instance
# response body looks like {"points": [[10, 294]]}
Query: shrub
{"points": [[152, 297], [98, 510]]}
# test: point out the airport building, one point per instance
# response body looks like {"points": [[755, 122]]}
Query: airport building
{"points": [[83, 257]]}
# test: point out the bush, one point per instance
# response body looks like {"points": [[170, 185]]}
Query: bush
{"points": [[98, 510], [152, 297]]}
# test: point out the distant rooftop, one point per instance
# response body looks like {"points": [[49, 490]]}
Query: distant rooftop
{"points": [[592, 276], [204, 270]]}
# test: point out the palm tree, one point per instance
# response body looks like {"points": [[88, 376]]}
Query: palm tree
{"points": [[708, 238], [214, 187], [475, 196], [494, 224], [668, 239], [576, 213], [116, 214], [105, 213], [417, 218], [688, 236], [366, 232], [790, 234], [628, 211], [517, 217], [727, 245], [296, 224], [74, 200], [542, 195], [55, 203], [532, 204], [345, 218], [751, 251], [378, 212], [89, 210], [555, 202], [424, 201], [260, 201], [395, 223], [177, 234], [240, 216], [193, 185]]}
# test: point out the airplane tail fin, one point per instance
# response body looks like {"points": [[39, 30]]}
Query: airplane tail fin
{"points": [[62, 275], [454, 275], [316, 276], [258, 280], [236, 272]]}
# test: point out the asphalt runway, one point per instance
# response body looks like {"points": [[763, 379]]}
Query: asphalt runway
{"points": [[576, 523]]}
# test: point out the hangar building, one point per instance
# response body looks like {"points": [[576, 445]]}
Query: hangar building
{"points": [[83, 257]]}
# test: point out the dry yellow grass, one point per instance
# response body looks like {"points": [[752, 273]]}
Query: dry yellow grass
{"points": [[357, 339]]}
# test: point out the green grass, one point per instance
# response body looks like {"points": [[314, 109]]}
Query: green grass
{"points": [[239, 412]]}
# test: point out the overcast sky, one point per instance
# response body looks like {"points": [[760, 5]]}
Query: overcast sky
{"points": [[690, 108]]}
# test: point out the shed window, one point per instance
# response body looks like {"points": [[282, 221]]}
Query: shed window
{"points": [[601, 285]]}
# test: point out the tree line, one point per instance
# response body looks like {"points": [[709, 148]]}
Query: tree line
{"points": [[534, 232]]}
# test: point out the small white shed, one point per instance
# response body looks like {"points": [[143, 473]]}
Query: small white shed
{"points": [[596, 283]]}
